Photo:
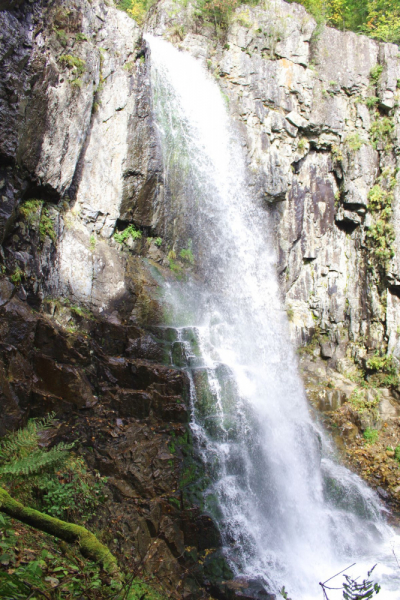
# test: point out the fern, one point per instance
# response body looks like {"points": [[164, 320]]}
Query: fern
{"points": [[20, 453], [36, 461]]}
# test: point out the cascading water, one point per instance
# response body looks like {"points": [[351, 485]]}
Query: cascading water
{"points": [[289, 513]]}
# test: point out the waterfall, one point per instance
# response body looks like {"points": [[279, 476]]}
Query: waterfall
{"points": [[288, 512]]}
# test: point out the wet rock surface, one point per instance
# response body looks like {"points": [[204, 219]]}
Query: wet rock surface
{"points": [[128, 419], [362, 419], [80, 310]]}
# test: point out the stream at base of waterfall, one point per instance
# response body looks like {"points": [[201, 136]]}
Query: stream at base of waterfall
{"points": [[289, 513]]}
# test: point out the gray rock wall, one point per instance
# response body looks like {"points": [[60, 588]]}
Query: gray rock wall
{"points": [[310, 105]]}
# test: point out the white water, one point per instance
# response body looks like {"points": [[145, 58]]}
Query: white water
{"points": [[289, 513]]}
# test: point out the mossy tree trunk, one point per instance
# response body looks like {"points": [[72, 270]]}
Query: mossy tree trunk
{"points": [[88, 544]]}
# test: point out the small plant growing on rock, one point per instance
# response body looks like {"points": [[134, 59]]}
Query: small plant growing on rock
{"points": [[186, 254], [371, 435], [129, 232], [290, 313], [73, 62], [337, 155], [397, 453], [381, 234], [371, 101], [62, 36], [354, 141], [81, 37], [17, 276], [381, 132], [375, 74], [158, 241], [302, 145]]}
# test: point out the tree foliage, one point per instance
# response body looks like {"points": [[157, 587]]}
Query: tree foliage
{"points": [[379, 19]]}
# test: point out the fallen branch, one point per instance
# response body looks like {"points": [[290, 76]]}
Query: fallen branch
{"points": [[87, 543]]}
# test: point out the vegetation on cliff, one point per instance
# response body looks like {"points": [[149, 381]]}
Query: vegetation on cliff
{"points": [[379, 19]]}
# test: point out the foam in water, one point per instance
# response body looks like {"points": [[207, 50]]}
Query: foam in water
{"points": [[288, 512]]}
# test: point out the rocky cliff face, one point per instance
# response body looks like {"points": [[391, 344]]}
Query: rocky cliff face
{"points": [[79, 310], [79, 160], [311, 105], [318, 113]]}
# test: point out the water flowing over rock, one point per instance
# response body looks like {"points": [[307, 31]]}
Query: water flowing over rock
{"points": [[249, 411], [236, 171]]}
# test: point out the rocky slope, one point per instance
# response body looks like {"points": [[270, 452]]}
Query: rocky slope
{"points": [[82, 325]]}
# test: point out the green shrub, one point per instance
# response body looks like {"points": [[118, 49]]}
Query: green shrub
{"points": [[186, 254], [375, 73], [129, 232], [383, 364], [361, 404], [381, 235], [61, 36], [137, 9], [379, 19], [371, 101], [381, 132], [73, 493], [219, 12], [371, 435]]}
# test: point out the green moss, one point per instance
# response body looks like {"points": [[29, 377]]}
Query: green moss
{"points": [[30, 211], [35, 215], [88, 544], [46, 227]]}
